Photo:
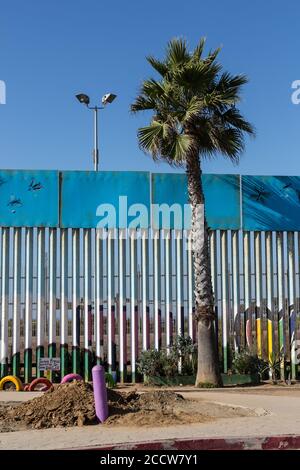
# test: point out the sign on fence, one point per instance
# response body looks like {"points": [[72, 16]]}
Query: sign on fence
{"points": [[47, 363]]}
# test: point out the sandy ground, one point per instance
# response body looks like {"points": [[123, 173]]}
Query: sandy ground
{"points": [[270, 410], [70, 405]]}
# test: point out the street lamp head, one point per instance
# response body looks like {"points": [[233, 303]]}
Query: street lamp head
{"points": [[84, 99], [108, 98]]}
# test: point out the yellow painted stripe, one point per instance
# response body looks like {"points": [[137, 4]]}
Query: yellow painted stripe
{"points": [[258, 337], [270, 340]]}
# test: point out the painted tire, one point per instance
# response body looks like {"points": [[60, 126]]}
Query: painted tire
{"points": [[42, 380], [26, 388], [13, 379], [70, 378]]}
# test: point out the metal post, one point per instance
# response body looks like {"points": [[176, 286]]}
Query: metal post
{"points": [[16, 303], [99, 294], [87, 303], [133, 303], [258, 291], [224, 266], [64, 302], [168, 287], [4, 303], [247, 291], [96, 150], [179, 283], [145, 290], [41, 304], [190, 285], [236, 289], [157, 290], [281, 301], [214, 278], [122, 303], [111, 345], [179, 288], [292, 300], [75, 302], [28, 304], [270, 302], [52, 295]]}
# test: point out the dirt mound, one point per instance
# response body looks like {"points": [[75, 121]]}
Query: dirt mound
{"points": [[160, 399], [72, 404], [153, 409]]}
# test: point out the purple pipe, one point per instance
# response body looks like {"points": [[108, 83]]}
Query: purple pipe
{"points": [[100, 394]]}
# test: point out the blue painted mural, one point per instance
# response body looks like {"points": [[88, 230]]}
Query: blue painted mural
{"points": [[82, 199], [90, 198], [29, 198], [222, 199], [271, 203]]}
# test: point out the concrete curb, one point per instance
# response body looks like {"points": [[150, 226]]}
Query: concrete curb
{"points": [[285, 442]]}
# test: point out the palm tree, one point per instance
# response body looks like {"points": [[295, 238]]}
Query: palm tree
{"points": [[194, 116]]}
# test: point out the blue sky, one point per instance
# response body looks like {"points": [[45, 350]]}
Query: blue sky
{"points": [[50, 50]]}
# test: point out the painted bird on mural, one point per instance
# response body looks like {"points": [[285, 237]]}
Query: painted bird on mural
{"points": [[260, 195], [34, 186], [14, 203]]}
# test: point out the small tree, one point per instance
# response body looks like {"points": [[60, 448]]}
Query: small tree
{"points": [[194, 116]]}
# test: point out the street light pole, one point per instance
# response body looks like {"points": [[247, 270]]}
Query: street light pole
{"points": [[96, 150], [84, 99]]}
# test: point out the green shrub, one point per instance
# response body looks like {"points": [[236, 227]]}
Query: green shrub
{"points": [[169, 363], [246, 362], [155, 363], [186, 350], [150, 363], [110, 383]]}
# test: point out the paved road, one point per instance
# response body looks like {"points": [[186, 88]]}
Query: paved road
{"points": [[276, 415]]}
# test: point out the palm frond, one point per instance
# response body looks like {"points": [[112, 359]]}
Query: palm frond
{"points": [[212, 55], [198, 51], [181, 146], [231, 143], [174, 149], [230, 86], [177, 52], [153, 89], [158, 65], [149, 135], [193, 111], [142, 104], [234, 118], [197, 77]]}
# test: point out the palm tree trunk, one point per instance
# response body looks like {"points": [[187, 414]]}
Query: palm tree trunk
{"points": [[208, 364]]}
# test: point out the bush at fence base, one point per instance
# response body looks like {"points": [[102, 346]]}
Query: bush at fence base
{"points": [[164, 363], [181, 380], [247, 362], [109, 380]]}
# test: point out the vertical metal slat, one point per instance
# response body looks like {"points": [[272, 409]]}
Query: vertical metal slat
{"points": [[16, 302]]}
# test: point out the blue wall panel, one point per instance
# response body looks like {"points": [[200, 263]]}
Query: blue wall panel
{"points": [[222, 198], [271, 202], [29, 198], [83, 192]]}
